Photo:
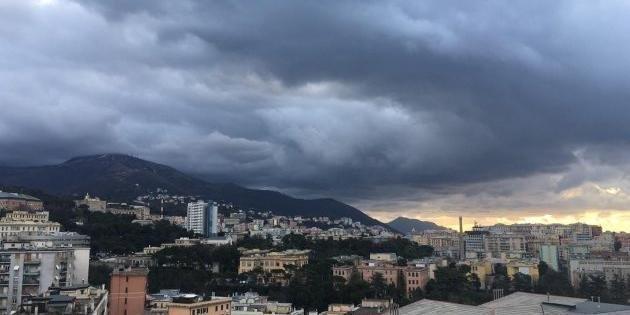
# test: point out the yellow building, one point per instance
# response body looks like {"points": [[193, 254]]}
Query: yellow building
{"points": [[483, 269], [37, 216], [192, 305], [524, 267], [270, 261]]}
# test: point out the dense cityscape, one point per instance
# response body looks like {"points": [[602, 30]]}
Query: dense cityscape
{"points": [[220, 259]]}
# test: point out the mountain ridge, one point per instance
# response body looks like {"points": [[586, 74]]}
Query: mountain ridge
{"points": [[121, 177], [407, 225]]}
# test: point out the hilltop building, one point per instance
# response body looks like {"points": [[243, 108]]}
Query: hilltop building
{"points": [[92, 203]]}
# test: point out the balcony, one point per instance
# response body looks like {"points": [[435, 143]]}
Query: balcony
{"points": [[29, 280], [32, 261]]}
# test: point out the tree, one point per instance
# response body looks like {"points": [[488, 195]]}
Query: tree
{"points": [[500, 269], [554, 282], [542, 268], [355, 290], [378, 285], [416, 295], [522, 282], [475, 281], [295, 241], [501, 282], [617, 245], [593, 286], [618, 293], [455, 284], [99, 274], [256, 242]]}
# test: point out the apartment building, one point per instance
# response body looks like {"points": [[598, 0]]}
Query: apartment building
{"points": [[272, 261], [606, 267], [128, 289], [139, 211], [251, 303], [27, 223], [551, 256], [17, 201], [81, 299], [202, 218], [192, 304], [30, 265], [510, 245], [412, 276], [445, 243], [35, 216], [483, 244]]}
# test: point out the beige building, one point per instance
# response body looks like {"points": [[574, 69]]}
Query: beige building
{"points": [[93, 204], [272, 261], [19, 215], [140, 212], [606, 267], [27, 223], [529, 268], [412, 276], [384, 256], [191, 304]]}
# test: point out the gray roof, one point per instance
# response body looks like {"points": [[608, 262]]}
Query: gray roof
{"points": [[590, 307], [8, 195], [431, 307], [518, 303]]}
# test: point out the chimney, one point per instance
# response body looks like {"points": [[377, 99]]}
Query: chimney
{"points": [[461, 226]]}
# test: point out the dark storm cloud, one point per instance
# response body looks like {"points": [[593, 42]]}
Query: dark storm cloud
{"points": [[354, 99]]}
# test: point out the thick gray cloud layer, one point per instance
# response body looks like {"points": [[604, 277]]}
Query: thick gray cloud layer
{"points": [[399, 100]]}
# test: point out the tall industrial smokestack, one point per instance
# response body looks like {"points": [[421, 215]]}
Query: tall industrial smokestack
{"points": [[162, 209], [462, 245]]}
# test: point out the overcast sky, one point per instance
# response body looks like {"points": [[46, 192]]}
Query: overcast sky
{"points": [[501, 111]]}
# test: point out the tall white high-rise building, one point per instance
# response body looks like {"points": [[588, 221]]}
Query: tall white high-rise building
{"points": [[212, 217], [195, 217], [202, 218]]}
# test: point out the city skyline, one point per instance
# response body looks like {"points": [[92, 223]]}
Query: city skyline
{"points": [[500, 113]]}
